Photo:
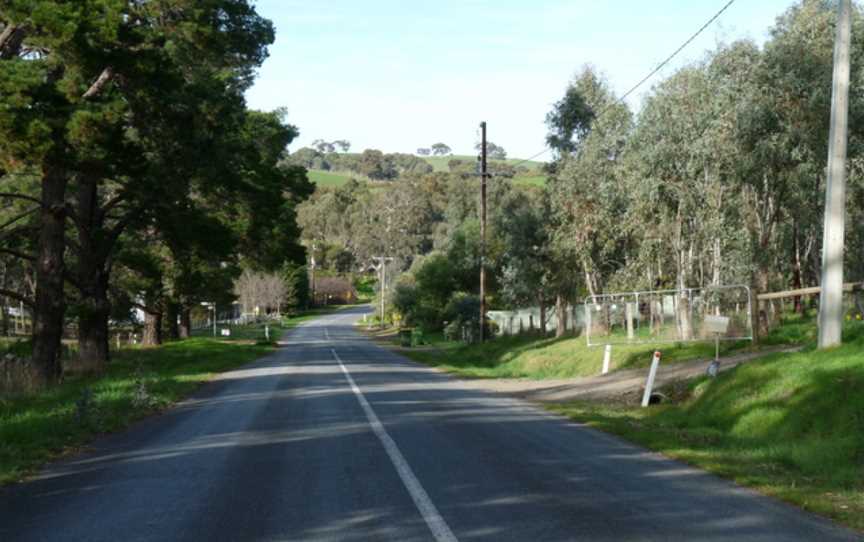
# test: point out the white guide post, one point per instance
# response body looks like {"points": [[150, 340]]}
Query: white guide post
{"points": [[267, 332], [607, 357], [652, 374]]}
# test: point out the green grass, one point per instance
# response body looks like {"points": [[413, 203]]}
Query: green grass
{"points": [[789, 425], [530, 356], [532, 180], [34, 429], [326, 178], [37, 428]]}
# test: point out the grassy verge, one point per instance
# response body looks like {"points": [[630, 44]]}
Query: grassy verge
{"points": [[139, 381], [790, 426], [536, 357], [530, 356]]}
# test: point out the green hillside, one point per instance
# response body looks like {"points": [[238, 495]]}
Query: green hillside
{"points": [[440, 162]]}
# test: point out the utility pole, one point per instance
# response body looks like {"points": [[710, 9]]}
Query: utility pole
{"points": [[831, 298], [483, 176], [382, 273], [312, 275]]}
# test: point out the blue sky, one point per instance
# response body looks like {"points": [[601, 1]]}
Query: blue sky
{"points": [[398, 75]]}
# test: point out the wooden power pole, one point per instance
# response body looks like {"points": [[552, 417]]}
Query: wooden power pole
{"points": [[483, 175], [831, 298], [381, 267]]}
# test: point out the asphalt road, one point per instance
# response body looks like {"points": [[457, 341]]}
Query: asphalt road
{"points": [[334, 438]]}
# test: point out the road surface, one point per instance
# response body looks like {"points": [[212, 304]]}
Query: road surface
{"points": [[335, 438]]}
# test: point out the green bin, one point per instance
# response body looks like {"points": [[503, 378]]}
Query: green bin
{"points": [[405, 336], [416, 337]]}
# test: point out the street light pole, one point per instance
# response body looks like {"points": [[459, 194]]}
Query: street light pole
{"points": [[831, 298]]}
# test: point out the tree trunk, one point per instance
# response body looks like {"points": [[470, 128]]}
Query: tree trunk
{"points": [[94, 307], [152, 329], [561, 311], [685, 324], [172, 327], [796, 269], [542, 315], [759, 317], [93, 352], [50, 306], [4, 324], [185, 322]]}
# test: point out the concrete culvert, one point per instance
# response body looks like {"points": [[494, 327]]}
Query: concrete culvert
{"points": [[657, 398]]}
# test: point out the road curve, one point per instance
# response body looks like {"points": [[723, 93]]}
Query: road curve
{"points": [[334, 438]]}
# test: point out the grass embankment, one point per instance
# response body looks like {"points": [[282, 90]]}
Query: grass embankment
{"points": [[530, 356], [790, 426], [138, 382]]}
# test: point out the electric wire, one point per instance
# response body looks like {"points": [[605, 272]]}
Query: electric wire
{"points": [[651, 74]]}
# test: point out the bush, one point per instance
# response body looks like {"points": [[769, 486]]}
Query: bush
{"points": [[463, 311], [405, 300]]}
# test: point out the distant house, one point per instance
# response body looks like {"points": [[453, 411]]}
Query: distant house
{"points": [[334, 290]]}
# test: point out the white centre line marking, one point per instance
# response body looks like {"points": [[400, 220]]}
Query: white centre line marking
{"points": [[436, 523]]}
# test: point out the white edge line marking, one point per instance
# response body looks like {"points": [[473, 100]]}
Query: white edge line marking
{"points": [[425, 506]]}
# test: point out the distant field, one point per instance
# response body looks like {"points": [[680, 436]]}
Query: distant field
{"points": [[325, 178], [440, 162]]}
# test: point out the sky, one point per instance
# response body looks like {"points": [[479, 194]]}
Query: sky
{"points": [[400, 75]]}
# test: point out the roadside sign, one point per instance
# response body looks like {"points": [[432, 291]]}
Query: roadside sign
{"points": [[716, 324]]}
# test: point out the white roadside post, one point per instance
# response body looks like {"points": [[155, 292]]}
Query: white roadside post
{"points": [[607, 357], [266, 332], [652, 374]]}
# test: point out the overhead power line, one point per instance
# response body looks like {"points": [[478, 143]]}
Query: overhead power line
{"points": [[651, 74]]}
